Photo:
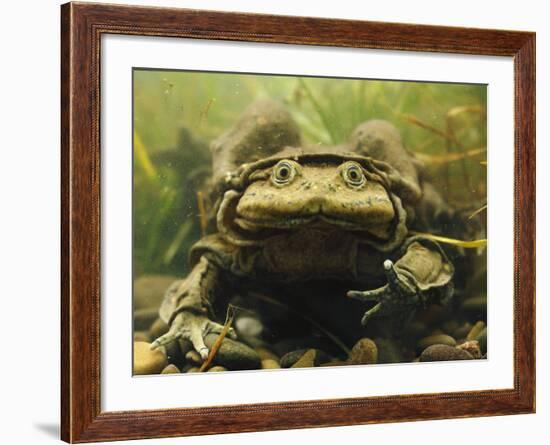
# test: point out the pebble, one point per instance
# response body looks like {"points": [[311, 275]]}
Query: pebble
{"points": [[388, 351], [158, 328], [233, 354], [436, 353], [440, 339], [364, 352], [171, 369], [270, 364], [267, 354], [142, 336], [149, 290], [217, 369], [307, 360], [472, 347], [475, 331], [144, 318], [193, 369], [482, 339], [288, 360], [147, 361], [292, 357]]}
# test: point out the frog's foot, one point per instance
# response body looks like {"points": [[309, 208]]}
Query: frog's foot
{"points": [[399, 295], [193, 327]]}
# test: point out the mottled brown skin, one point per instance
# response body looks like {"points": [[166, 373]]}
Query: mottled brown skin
{"points": [[302, 214]]}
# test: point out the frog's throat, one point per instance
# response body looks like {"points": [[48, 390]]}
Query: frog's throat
{"points": [[235, 233]]}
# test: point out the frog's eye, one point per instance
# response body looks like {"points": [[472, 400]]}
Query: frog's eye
{"points": [[283, 173], [353, 174]]}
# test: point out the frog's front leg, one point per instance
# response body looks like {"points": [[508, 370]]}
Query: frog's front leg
{"points": [[185, 307], [422, 275]]}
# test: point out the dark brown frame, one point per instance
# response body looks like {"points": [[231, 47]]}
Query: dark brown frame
{"points": [[81, 28]]}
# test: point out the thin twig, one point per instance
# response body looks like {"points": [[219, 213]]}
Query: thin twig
{"points": [[217, 344]]}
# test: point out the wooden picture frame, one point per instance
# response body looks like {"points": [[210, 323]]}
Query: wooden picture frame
{"points": [[82, 26]]}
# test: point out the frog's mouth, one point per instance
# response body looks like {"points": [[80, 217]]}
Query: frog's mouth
{"points": [[245, 230], [318, 221]]}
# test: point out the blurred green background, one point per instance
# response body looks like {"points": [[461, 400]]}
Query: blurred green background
{"points": [[177, 113]]}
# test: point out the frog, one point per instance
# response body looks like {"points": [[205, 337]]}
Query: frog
{"points": [[285, 213]]}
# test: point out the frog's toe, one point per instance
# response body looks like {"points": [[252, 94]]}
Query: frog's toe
{"points": [[169, 337], [368, 295], [196, 337], [370, 313]]}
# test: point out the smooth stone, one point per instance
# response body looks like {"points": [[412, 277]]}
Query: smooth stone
{"points": [[307, 360], [292, 357], [149, 290], [438, 353], [440, 339], [475, 331], [142, 336], [268, 363], [193, 369], [147, 361], [267, 354], [364, 352], [482, 339], [158, 328], [289, 359], [171, 369], [217, 369], [388, 351], [144, 318], [472, 347], [233, 354]]}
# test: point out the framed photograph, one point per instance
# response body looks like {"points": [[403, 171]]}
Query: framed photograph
{"points": [[274, 222]]}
